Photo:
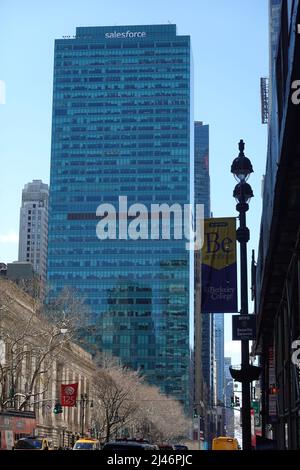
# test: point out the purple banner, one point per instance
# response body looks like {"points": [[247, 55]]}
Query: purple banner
{"points": [[219, 272]]}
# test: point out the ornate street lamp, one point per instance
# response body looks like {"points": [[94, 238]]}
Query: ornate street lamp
{"points": [[242, 192], [241, 168], [84, 400]]}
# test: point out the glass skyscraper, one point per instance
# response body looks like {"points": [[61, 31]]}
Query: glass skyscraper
{"points": [[274, 29], [202, 178], [122, 126], [274, 26], [228, 393], [202, 196], [219, 348]]}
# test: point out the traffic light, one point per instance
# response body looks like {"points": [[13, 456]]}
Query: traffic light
{"points": [[237, 402], [232, 400], [195, 413], [57, 408], [273, 390]]}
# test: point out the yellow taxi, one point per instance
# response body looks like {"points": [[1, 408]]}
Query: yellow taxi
{"points": [[225, 443], [33, 443], [87, 443]]}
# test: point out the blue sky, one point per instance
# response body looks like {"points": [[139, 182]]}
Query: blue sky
{"points": [[230, 49]]}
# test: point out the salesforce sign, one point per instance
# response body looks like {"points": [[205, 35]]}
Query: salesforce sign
{"points": [[125, 34]]}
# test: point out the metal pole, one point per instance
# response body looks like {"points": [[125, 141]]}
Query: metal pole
{"points": [[82, 413], [243, 239]]}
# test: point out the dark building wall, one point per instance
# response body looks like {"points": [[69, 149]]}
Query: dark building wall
{"points": [[277, 278]]}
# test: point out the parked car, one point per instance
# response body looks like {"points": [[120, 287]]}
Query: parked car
{"points": [[166, 446], [87, 443], [33, 443], [128, 445], [181, 447]]}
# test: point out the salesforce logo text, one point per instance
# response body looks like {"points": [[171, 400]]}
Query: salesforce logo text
{"points": [[126, 34]]}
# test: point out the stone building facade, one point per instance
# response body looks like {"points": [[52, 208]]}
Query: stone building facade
{"points": [[22, 324]]}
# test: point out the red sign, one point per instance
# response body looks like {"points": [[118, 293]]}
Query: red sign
{"points": [[69, 394]]}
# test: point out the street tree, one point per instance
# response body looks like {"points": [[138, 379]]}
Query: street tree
{"points": [[31, 340], [114, 391], [127, 405], [160, 418]]}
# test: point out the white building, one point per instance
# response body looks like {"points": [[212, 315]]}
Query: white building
{"points": [[33, 235]]}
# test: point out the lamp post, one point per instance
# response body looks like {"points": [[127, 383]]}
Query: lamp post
{"points": [[199, 431], [229, 383], [241, 169], [84, 400]]}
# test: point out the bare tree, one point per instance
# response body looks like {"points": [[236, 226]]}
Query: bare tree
{"points": [[32, 337], [124, 400], [160, 418], [114, 390]]}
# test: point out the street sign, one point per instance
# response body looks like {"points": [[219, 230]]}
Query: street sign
{"points": [[243, 327], [272, 382], [255, 405]]}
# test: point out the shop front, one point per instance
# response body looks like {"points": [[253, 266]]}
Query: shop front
{"points": [[14, 425]]}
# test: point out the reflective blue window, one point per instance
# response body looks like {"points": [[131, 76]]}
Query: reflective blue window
{"points": [[121, 126]]}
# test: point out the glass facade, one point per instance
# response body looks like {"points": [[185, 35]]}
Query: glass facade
{"points": [[202, 196], [228, 393], [202, 178], [274, 26], [121, 126], [219, 348]]}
